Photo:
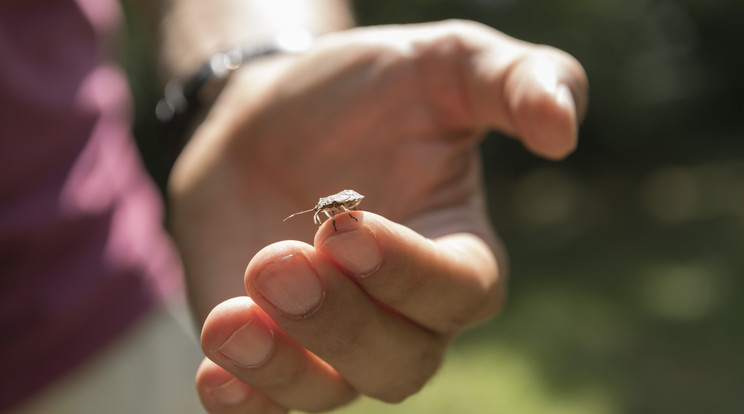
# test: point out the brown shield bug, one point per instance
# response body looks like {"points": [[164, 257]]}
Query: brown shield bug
{"points": [[345, 200]]}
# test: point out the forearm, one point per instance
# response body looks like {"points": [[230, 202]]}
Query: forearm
{"points": [[190, 31]]}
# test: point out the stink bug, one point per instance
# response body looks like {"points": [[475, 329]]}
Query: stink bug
{"points": [[346, 200]]}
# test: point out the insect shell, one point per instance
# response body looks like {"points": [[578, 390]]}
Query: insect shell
{"points": [[345, 200]]}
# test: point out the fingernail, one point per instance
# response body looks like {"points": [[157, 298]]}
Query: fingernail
{"points": [[357, 252], [230, 393], [250, 345], [554, 137], [291, 285], [563, 97]]}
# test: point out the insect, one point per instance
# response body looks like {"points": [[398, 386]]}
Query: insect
{"points": [[346, 200]]}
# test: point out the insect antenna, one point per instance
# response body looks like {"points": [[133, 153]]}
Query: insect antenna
{"points": [[298, 213]]}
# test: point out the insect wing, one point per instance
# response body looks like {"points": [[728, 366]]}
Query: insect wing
{"points": [[348, 196]]}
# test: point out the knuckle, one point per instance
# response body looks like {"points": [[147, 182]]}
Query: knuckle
{"points": [[407, 378], [278, 377], [482, 302], [406, 287], [468, 30], [462, 25], [486, 301], [345, 338]]}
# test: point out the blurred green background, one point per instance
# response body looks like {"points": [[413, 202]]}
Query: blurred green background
{"points": [[626, 259]]}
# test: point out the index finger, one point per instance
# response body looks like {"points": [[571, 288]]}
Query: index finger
{"points": [[443, 284]]}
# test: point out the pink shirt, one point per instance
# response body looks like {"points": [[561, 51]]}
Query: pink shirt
{"points": [[82, 250]]}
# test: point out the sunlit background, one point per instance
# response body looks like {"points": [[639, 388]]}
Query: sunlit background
{"points": [[627, 259]]}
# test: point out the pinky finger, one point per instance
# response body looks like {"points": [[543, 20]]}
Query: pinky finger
{"points": [[221, 393]]}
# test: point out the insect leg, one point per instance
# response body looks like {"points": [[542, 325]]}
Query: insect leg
{"points": [[349, 213], [333, 218], [328, 215]]}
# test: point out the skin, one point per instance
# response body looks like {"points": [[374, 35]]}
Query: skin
{"points": [[396, 114]]}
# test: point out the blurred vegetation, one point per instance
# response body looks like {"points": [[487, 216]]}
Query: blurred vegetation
{"points": [[626, 259]]}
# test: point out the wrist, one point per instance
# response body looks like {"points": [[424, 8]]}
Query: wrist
{"points": [[185, 101], [191, 31]]}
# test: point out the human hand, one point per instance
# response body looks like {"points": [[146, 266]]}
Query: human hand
{"points": [[394, 113]]}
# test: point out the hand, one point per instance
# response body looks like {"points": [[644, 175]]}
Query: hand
{"points": [[394, 113]]}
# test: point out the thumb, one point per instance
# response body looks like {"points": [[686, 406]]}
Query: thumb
{"points": [[537, 93], [544, 109]]}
